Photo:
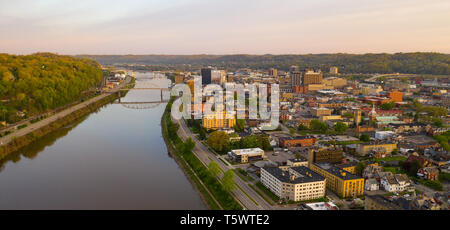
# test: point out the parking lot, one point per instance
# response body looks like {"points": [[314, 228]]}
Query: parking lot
{"points": [[279, 156]]}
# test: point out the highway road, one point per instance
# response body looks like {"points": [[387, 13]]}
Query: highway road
{"points": [[204, 155]]}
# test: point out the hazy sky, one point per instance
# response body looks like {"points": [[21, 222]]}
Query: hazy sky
{"points": [[223, 26]]}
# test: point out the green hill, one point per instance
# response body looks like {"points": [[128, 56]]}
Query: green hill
{"points": [[414, 63], [36, 83]]}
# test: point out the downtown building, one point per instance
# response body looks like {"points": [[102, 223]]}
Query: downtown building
{"points": [[206, 75], [217, 120], [341, 182], [294, 184]]}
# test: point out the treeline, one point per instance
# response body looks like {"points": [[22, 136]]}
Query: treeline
{"points": [[415, 63], [41, 82]]}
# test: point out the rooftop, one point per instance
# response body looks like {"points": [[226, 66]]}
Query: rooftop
{"points": [[305, 175], [337, 171], [247, 151], [384, 201]]}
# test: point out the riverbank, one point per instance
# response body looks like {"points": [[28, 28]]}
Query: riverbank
{"points": [[208, 186], [28, 135], [205, 196]]}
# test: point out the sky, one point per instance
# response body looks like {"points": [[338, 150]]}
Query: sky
{"points": [[224, 26]]}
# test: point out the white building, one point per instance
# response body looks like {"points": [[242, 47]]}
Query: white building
{"points": [[296, 183], [382, 135], [247, 155], [395, 183], [390, 184], [371, 185]]}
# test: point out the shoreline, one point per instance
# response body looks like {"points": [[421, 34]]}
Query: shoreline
{"points": [[53, 123], [171, 151], [207, 198]]}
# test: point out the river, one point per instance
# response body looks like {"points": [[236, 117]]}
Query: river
{"points": [[115, 158]]}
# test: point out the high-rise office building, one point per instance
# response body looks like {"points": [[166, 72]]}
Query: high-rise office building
{"points": [[273, 72], [296, 78], [218, 76], [312, 77], [206, 75], [295, 68], [334, 70]]}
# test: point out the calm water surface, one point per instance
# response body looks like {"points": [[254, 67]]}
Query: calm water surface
{"points": [[112, 159]]}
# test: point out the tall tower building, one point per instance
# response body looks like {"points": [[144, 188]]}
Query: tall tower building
{"points": [[312, 77], [334, 70], [296, 78], [273, 72], [206, 75]]}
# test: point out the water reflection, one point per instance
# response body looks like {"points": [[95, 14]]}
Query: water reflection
{"points": [[113, 159]]}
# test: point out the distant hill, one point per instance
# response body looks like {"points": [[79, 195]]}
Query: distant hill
{"points": [[419, 63]]}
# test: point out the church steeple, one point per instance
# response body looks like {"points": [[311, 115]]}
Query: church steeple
{"points": [[373, 113]]}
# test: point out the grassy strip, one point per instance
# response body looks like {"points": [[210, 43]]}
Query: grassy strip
{"points": [[223, 161], [210, 202], [240, 175], [269, 193], [322, 199], [391, 158], [261, 195], [243, 175], [225, 199], [254, 201], [435, 185]]}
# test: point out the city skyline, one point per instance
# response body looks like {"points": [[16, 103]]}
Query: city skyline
{"points": [[224, 27]]}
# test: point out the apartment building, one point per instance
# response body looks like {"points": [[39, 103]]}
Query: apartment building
{"points": [[332, 155], [214, 121], [365, 148], [299, 141], [296, 183], [343, 183]]}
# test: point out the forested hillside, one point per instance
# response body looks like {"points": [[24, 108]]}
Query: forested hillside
{"points": [[419, 63], [41, 82]]}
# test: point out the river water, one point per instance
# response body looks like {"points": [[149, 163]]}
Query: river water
{"points": [[115, 158]]}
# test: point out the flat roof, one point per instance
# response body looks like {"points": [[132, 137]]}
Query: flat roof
{"points": [[337, 171], [306, 175], [247, 151]]}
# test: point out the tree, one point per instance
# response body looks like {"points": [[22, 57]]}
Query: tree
{"points": [[172, 129], [364, 137], [360, 168], [228, 181], [349, 115], [301, 127], [387, 106], [41, 82], [340, 127], [394, 152], [202, 133], [189, 145], [319, 126], [218, 140], [438, 122], [291, 131], [214, 168], [413, 168], [240, 125], [416, 117]]}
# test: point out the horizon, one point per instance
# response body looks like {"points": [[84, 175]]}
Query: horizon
{"points": [[195, 27], [227, 54]]}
